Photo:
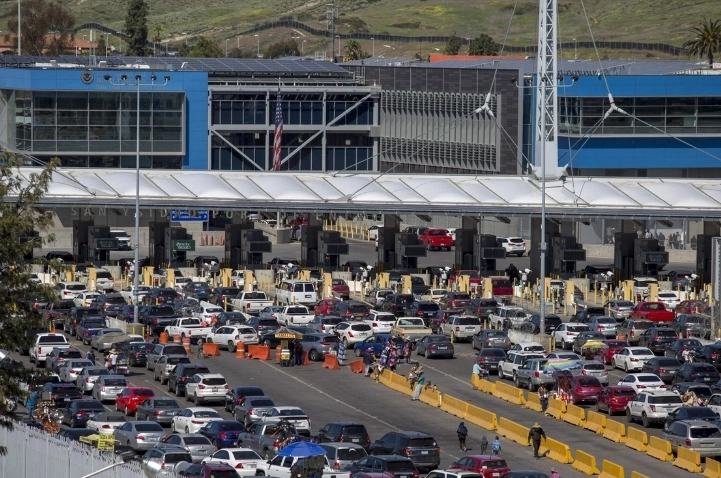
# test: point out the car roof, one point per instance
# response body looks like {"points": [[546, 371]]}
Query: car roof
{"points": [[660, 392], [699, 423], [342, 444]]}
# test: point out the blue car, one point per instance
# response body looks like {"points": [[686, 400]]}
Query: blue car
{"points": [[222, 433], [374, 343]]}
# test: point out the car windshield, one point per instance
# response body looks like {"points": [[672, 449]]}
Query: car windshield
{"points": [[491, 464], [115, 382], [401, 465], [668, 362], [606, 320], [624, 392], [142, 347], [148, 427], [196, 441], [589, 382], [492, 353], [705, 368], [700, 412], [358, 309], [350, 453], [97, 371], [706, 432], [254, 296], [469, 321], [166, 403], [493, 333], [232, 426], [702, 391], [177, 457], [666, 333], [246, 455], [206, 414], [437, 339], [144, 392], [577, 328], [641, 352], [647, 378], [52, 339], [214, 381], [502, 283], [667, 399], [289, 412], [594, 366]]}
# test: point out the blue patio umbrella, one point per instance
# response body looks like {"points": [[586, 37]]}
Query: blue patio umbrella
{"points": [[302, 449]]}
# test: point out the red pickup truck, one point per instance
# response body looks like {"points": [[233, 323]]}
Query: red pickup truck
{"points": [[654, 311], [436, 238]]}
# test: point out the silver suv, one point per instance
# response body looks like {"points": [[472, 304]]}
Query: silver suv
{"points": [[533, 373], [592, 368], [697, 435], [632, 329], [652, 407]]}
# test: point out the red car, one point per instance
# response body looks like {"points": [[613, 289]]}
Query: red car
{"points": [[339, 288], [490, 466], [614, 399], [653, 311], [325, 306], [691, 307], [585, 388], [612, 347], [436, 238], [208, 470], [129, 399]]}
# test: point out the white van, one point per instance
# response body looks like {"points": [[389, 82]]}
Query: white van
{"points": [[296, 292]]}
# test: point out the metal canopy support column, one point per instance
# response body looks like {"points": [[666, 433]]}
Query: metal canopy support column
{"points": [[324, 153], [269, 129]]}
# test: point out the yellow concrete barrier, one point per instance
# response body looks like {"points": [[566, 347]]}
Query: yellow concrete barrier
{"points": [[687, 460], [712, 469], [513, 431], [615, 431], [509, 393], [482, 418], [385, 378], [637, 439], [533, 402], [430, 397], [635, 474], [596, 422], [556, 408], [454, 406], [585, 463], [575, 415], [399, 383], [659, 449], [555, 450], [485, 386], [612, 470]]}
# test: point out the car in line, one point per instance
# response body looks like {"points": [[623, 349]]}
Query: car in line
{"points": [[107, 387], [652, 406], [632, 329], [236, 395], [157, 409], [643, 382], [491, 338], [222, 433], [657, 339], [161, 458], [611, 348], [199, 446], [87, 377], [489, 358], [105, 422], [566, 333], [461, 327], [342, 454], [139, 435], [435, 346], [77, 412], [190, 420], [664, 367], [614, 399], [243, 460], [165, 364], [420, 447], [632, 358], [344, 432], [508, 367], [382, 466], [696, 372], [129, 399], [296, 416], [584, 388], [677, 347], [698, 436], [206, 387], [619, 309], [690, 413], [252, 409]]}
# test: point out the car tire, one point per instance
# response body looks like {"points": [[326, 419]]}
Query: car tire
{"points": [[357, 352], [314, 355], [629, 417], [231, 346], [453, 337], [172, 426], [155, 377], [501, 375], [564, 345], [266, 342], [598, 407], [517, 382], [427, 354], [73, 423], [645, 422], [531, 387]]}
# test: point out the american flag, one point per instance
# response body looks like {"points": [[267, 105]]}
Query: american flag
{"points": [[278, 133]]}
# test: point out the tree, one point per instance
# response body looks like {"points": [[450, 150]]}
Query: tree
{"points": [[354, 51], [38, 18], [136, 28], [453, 46], [483, 45], [205, 48], [101, 49], [184, 50], [706, 40], [18, 216], [282, 48]]}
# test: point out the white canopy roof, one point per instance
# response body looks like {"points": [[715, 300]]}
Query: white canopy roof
{"points": [[373, 192]]}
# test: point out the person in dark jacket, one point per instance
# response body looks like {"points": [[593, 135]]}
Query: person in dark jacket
{"points": [[298, 353], [535, 434], [462, 434]]}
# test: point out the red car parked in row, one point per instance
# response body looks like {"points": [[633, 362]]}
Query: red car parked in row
{"points": [[585, 388], [611, 348], [614, 399], [489, 466], [129, 399], [436, 238], [325, 306]]}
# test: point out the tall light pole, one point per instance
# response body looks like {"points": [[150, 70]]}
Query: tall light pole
{"points": [[302, 48], [226, 48], [138, 83], [107, 45], [20, 36], [338, 37], [258, 37], [374, 46]]}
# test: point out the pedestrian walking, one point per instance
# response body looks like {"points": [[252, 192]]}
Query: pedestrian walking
{"points": [[419, 385], [91, 356], [484, 445], [298, 349], [113, 361], [462, 435], [30, 404], [543, 397], [535, 434], [496, 446], [369, 360]]}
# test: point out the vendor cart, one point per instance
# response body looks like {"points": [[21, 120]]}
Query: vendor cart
{"points": [[285, 335], [593, 350]]}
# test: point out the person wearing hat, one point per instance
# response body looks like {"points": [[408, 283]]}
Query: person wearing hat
{"points": [[554, 473], [535, 434], [113, 361]]}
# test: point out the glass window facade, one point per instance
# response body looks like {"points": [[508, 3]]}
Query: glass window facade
{"points": [[648, 116], [100, 124]]}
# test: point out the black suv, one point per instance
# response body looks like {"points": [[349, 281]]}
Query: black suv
{"points": [[160, 295], [220, 294], [425, 309], [481, 308], [397, 304], [236, 395], [697, 372], [552, 321], [181, 374], [138, 355], [709, 354], [110, 304], [421, 448], [76, 315], [383, 465], [584, 316], [657, 339], [347, 432]]}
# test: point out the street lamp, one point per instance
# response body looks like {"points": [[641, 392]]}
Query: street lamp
{"points": [[338, 37], [20, 48], [374, 46], [258, 37], [138, 83], [302, 47], [226, 48]]}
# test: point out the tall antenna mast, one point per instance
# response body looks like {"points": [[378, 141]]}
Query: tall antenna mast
{"points": [[330, 15]]}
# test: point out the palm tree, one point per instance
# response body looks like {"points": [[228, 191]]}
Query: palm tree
{"points": [[706, 41]]}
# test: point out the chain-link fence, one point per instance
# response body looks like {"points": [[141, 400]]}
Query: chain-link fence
{"points": [[34, 453]]}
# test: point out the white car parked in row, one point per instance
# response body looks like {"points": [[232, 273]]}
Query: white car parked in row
{"points": [[512, 245], [632, 358], [642, 382], [244, 460], [190, 420], [229, 336]]}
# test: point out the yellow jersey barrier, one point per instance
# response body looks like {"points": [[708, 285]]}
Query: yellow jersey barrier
{"points": [[585, 463], [612, 470], [454, 406], [482, 418], [555, 450], [659, 449], [596, 422], [637, 439], [533, 402], [635, 474], [615, 431], [509, 393], [687, 460], [485, 386], [385, 377], [712, 469], [575, 415], [513, 431], [556, 408], [429, 396]]}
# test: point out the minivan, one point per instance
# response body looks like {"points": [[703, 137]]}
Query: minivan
{"points": [[296, 292]]}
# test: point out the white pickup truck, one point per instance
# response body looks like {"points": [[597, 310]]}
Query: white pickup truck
{"points": [[284, 467], [188, 327], [410, 328], [251, 302], [237, 279], [294, 315], [44, 344]]}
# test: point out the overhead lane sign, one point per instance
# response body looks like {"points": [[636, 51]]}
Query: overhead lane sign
{"points": [[189, 215]]}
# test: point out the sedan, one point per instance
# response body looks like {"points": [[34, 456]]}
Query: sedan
{"points": [[60, 393], [352, 332], [491, 338], [129, 399], [70, 369], [161, 410], [196, 444], [678, 346], [435, 346], [642, 382], [244, 460], [107, 387], [222, 433], [87, 377], [192, 419], [580, 340], [318, 344], [271, 312], [620, 309], [297, 417], [696, 372], [252, 409], [632, 358], [79, 412], [105, 422], [614, 399], [102, 344], [611, 348], [664, 367], [585, 388], [139, 435]]}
